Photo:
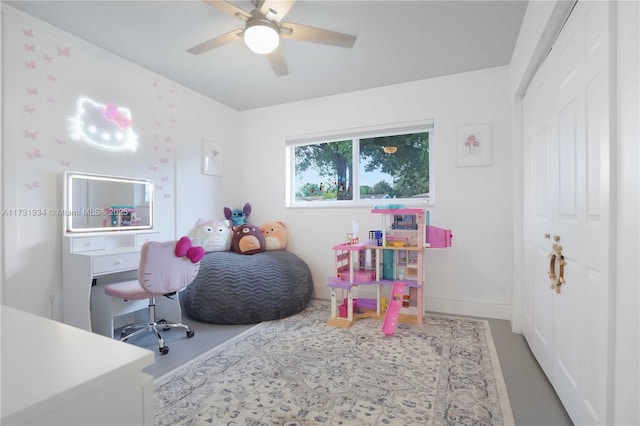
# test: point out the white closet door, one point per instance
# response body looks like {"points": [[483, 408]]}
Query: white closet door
{"points": [[567, 194]]}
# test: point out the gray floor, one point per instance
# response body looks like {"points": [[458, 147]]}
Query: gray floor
{"points": [[533, 400]]}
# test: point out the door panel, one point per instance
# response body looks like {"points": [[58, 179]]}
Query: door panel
{"points": [[542, 317], [566, 192]]}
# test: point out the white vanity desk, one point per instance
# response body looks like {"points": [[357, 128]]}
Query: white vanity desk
{"points": [[109, 219], [97, 256], [60, 375]]}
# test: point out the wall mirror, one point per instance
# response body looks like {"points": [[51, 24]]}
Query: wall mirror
{"points": [[96, 203]]}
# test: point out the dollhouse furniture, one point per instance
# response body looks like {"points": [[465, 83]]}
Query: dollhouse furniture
{"points": [[393, 255], [165, 268], [233, 288], [61, 375]]}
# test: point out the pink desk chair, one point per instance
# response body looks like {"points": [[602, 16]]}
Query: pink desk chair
{"points": [[165, 268]]}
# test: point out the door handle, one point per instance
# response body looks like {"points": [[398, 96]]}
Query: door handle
{"points": [[556, 263]]}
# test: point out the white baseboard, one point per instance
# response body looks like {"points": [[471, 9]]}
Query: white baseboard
{"points": [[469, 308]]}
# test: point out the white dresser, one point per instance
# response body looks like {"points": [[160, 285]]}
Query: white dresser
{"points": [[91, 258], [54, 374]]}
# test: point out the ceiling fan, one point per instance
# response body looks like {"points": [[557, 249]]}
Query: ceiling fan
{"points": [[264, 28]]}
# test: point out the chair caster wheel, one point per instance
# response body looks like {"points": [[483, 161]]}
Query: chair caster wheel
{"points": [[190, 333], [163, 321], [164, 350]]}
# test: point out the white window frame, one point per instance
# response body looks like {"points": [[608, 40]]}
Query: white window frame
{"points": [[424, 126]]}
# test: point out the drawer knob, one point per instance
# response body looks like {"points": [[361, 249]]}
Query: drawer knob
{"points": [[117, 262]]}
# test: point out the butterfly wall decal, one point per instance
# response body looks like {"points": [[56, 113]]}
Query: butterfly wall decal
{"points": [[31, 134], [64, 51], [35, 154]]}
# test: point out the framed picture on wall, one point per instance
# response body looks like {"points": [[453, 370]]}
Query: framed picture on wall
{"points": [[473, 145], [211, 158]]}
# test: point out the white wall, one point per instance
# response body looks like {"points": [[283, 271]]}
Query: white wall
{"points": [[170, 121], [473, 277]]}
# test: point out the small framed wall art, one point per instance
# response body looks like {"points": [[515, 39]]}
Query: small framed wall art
{"points": [[211, 158], [473, 145]]}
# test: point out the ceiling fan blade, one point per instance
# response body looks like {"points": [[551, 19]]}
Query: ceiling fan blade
{"points": [[275, 10], [229, 9], [300, 32], [276, 59], [217, 42]]}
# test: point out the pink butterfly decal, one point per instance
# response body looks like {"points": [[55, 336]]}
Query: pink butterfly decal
{"points": [[167, 195], [172, 106], [158, 187], [214, 153], [167, 139], [31, 134], [32, 185], [28, 33], [65, 163], [47, 58], [154, 83], [164, 178], [66, 51], [164, 160], [153, 167], [171, 89], [31, 64], [30, 47], [32, 90], [173, 120], [29, 109], [51, 100], [60, 141], [158, 123], [160, 97], [169, 149], [156, 136], [35, 154], [52, 78], [155, 148]]}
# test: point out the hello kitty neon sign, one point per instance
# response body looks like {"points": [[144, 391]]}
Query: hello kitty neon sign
{"points": [[107, 127]]}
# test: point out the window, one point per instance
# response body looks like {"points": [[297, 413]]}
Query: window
{"points": [[363, 166]]}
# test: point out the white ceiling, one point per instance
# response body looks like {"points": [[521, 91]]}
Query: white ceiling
{"points": [[398, 41]]}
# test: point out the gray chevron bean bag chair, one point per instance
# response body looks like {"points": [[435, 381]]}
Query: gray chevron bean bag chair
{"points": [[234, 288]]}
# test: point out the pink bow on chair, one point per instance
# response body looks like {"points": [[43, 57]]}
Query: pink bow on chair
{"points": [[184, 248]]}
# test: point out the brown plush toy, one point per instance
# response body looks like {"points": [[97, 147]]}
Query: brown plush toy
{"points": [[247, 239]]}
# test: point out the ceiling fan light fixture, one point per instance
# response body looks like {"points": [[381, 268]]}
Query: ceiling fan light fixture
{"points": [[261, 36]]}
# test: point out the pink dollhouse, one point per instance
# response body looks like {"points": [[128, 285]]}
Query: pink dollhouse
{"points": [[393, 260]]}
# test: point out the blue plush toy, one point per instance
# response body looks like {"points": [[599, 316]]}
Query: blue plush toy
{"points": [[236, 216]]}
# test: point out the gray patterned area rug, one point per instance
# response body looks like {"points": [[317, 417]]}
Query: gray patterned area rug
{"points": [[301, 371]]}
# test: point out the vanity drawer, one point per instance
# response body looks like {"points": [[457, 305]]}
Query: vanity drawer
{"points": [[115, 262], [83, 244], [147, 236]]}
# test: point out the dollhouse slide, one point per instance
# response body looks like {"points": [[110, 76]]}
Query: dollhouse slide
{"points": [[391, 317]]}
